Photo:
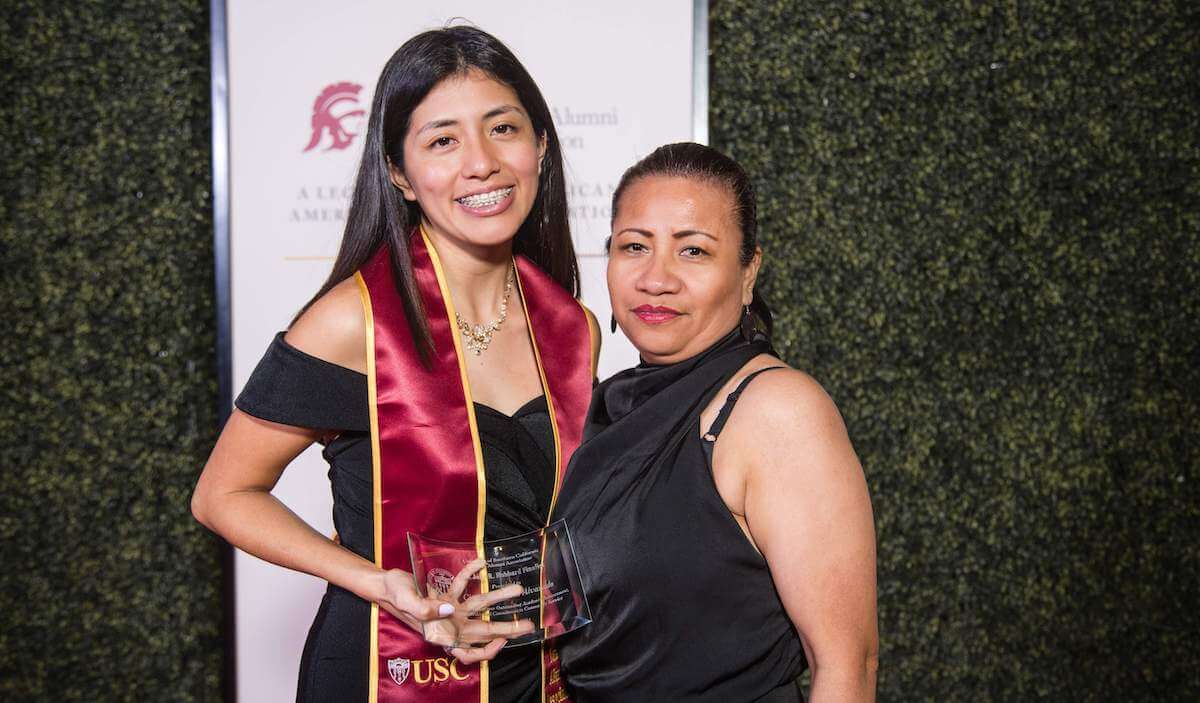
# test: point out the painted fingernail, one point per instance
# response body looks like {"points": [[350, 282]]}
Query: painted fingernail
{"points": [[445, 610]]}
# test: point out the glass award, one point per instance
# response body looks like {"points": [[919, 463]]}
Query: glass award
{"points": [[542, 562]]}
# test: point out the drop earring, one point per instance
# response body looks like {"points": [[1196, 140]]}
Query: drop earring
{"points": [[612, 323], [747, 325]]}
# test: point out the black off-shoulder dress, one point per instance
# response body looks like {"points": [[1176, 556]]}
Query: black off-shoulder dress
{"points": [[294, 388]]}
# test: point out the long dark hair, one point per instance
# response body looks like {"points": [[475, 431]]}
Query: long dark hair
{"points": [[378, 211], [700, 162]]}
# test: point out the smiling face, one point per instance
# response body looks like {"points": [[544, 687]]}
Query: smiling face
{"points": [[675, 279], [471, 161]]}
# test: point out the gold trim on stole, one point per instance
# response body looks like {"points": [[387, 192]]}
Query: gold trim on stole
{"points": [[376, 486], [593, 331], [537, 360], [479, 471], [558, 472]]}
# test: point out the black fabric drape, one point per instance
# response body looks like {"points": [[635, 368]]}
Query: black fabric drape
{"points": [[683, 605]]}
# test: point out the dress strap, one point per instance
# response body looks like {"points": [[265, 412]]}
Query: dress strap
{"points": [[723, 416]]}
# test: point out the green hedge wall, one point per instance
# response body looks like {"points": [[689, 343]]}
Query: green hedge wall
{"points": [[983, 234], [982, 227], [110, 590]]}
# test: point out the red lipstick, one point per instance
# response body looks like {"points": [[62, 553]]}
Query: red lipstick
{"points": [[656, 314]]}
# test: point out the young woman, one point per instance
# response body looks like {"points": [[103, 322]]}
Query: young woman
{"points": [[446, 368], [722, 542]]}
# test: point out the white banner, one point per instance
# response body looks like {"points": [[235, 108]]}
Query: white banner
{"points": [[619, 77]]}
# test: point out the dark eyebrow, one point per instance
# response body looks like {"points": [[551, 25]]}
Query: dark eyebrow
{"points": [[494, 112], [437, 124], [497, 111], [676, 235], [689, 232]]}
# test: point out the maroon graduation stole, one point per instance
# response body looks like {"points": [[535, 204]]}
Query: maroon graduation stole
{"points": [[428, 466]]}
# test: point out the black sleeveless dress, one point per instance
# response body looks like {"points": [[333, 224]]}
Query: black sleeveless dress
{"points": [[683, 605], [294, 388]]}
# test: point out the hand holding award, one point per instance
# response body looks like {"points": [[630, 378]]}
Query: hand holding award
{"points": [[529, 583], [451, 618]]}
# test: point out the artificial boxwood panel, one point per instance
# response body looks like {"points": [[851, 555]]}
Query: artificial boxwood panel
{"points": [[982, 234], [110, 591]]}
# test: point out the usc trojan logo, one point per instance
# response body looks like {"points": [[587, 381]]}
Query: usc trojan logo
{"points": [[399, 668], [327, 120], [438, 582], [424, 671]]}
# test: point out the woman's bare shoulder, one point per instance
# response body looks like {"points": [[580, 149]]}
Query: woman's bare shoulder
{"points": [[792, 408], [786, 389], [333, 328]]}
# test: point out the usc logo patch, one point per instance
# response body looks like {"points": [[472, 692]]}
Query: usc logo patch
{"points": [[424, 671]]}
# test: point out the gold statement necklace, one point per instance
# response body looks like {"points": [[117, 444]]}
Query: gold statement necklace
{"points": [[478, 337]]}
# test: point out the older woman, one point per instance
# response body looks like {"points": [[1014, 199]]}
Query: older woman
{"points": [[446, 368], [720, 516]]}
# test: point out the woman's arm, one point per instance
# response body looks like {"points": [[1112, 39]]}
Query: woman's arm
{"points": [[808, 511], [233, 496]]}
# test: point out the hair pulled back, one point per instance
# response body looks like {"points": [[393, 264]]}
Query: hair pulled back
{"points": [[703, 163], [378, 212]]}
